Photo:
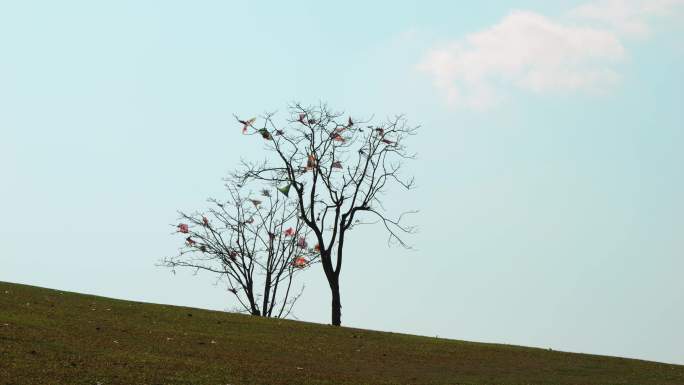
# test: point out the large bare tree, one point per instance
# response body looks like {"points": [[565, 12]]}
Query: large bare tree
{"points": [[255, 243], [338, 168]]}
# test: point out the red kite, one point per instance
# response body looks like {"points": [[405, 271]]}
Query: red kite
{"points": [[299, 262], [311, 162]]}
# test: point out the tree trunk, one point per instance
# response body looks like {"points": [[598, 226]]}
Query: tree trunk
{"points": [[336, 303]]}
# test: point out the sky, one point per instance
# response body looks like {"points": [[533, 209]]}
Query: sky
{"points": [[549, 169]]}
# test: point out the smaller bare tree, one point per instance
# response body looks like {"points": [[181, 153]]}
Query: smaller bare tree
{"points": [[255, 243]]}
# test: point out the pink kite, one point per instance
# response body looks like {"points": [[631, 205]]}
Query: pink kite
{"points": [[246, 123], [289, 232], [183, 228]]}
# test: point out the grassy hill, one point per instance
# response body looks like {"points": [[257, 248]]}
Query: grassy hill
{"points": [[55, 337]]}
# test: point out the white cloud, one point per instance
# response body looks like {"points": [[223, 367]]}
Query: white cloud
{"points": [[532, 52], [631, 18]]}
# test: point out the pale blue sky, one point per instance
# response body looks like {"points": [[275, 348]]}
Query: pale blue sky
{"points": [[551, 209]]}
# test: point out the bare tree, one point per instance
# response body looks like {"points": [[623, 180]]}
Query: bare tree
{"points": [[339, 168], [256, 243]]}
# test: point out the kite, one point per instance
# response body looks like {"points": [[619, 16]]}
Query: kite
{"points": [[266, 193], [289, 232], [336, 164], [183, 228], [246, 123], [255, 202], [190, 241], [301, 243], [265, 134], [285, 189], [311, 162], [205, 221], [299, 262]]}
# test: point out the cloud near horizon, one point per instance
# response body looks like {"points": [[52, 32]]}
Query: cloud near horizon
{"points": [[533, 52]]}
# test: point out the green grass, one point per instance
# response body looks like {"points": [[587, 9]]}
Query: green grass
{"points": [[55, 337]]}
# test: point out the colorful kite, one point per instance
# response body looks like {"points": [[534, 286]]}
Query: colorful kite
{"points": [[246, 123], [285, 189], [265, 134], [300, 262], [183, 228]]}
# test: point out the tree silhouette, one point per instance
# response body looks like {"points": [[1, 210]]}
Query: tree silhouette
{"points": [[256, 243], [338, 168]]}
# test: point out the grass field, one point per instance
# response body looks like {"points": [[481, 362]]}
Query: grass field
{"points": [[54, 337]]}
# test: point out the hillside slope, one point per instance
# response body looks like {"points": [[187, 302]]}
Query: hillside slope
{"points": [[54, 337]]}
